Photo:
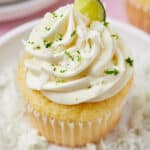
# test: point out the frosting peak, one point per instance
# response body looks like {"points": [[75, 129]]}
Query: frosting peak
{"points": [[74, 60]]}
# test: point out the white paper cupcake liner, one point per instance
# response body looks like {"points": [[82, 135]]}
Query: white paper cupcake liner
{"points": [[74, 134]]}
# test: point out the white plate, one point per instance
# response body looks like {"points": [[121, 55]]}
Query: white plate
{"points": [[22, 8], [11, 46]]}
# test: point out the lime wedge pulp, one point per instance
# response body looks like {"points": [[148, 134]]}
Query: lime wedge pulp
{"points": [[94, 9]]}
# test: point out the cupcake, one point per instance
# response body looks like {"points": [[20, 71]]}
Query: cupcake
{"points": [[139, 13], [75, 76]]}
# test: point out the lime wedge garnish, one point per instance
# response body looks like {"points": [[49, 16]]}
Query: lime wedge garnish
{"points": [[94, 9]]}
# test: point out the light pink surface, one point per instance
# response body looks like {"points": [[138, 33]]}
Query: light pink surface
{"points": [[115, 9]]}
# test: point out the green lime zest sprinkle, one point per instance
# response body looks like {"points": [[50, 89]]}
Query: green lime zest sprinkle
{"points": [[60, 81], [61, 15], [30, 42], [78, 58], [73, 33], [47, 28], [47, 43], [115, 36], [59, 36], [54, 15], [111, 72], [54, 69], [69, 55], [63, 70], [129, 61], [78, 51], [106, 24], [37, 47], [89, 86]]}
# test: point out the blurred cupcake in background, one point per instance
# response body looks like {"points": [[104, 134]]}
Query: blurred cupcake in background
{"points": [[139, 13]]}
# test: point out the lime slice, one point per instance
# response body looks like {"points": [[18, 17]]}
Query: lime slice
{"points": [[94, 9]]}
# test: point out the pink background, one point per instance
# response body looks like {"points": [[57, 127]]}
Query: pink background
{"points": [[115, 9]]}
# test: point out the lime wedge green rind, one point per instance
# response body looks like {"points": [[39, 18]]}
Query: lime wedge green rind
{"points": [[94, 9]]}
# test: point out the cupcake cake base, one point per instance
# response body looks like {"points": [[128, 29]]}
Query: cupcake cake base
{"points": [[74, 125]]}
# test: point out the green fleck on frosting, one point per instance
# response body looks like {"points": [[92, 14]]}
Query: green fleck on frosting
{"points": [[47, 43], [78, 58], [59, 37], [129, 61], [115, 36], [63, 70], [37, 47], [73, 33], [30, 42], [54, 69], [47, 28], [89, 87], [78, 51], [69, 55], [54, 15], [106, 24], [111, 72], [60, 81]]}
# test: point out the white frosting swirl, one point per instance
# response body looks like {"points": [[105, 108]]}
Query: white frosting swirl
{"points": [[69, 55]]}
